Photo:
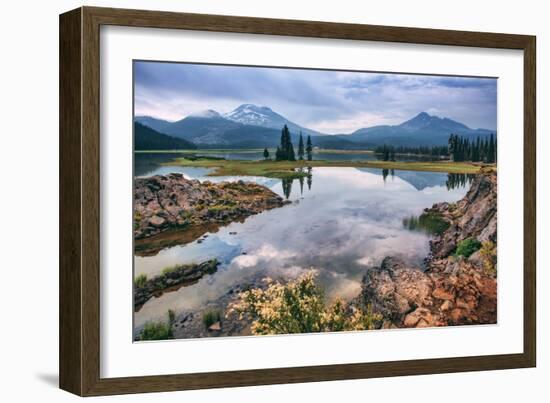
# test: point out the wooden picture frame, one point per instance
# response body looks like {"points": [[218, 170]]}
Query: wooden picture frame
{"points": [[79, 346]]}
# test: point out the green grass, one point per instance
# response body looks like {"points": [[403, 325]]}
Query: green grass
{"points": [[210, 317], [287, 169], [247, 151], [159, 330], [156, 331], [140, 280], [205, 151], [170, 269]]}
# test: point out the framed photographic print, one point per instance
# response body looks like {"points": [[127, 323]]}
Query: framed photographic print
{"points": [[251, 201]]}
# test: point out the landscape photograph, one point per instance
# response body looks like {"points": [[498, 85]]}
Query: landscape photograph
{"points": [[277, 201]]}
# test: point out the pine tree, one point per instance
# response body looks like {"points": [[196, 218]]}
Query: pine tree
{"points": [[491, 149], [496, 151], [452, 147], [309, 148], [285, 151], [386, 153], [266, 153], [475, 156], [278, 154], [482, 149], [301, 148], [284, 144], [290, 153]]}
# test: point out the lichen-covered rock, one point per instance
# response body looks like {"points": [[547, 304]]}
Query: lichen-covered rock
{"points": [[474, 216], [169, 202], [410, 297], [393, 289]]}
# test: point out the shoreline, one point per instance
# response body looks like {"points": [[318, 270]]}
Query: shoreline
{"points": [[285, 169], [166, 203], [453, 291]]}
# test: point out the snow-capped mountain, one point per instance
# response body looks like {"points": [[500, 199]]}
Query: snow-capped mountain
{"points": [[263, 116], [250, 114]]}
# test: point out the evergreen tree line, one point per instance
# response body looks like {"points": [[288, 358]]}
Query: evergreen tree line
{"points": [[285, 150], [479, 150], [387, 152], [482, 149], [435, 151]]}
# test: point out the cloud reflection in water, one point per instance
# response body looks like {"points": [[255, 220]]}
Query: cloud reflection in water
{"points": [[349, 220]]}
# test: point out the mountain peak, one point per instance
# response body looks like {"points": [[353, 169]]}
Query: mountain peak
{"points": [[255, 115], [426, 121], [264, 116], [422, 117], [253, 107], [209, 113]]}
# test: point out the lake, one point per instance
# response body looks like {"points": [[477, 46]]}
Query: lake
{"points": [[147, 164], [341, 221]]}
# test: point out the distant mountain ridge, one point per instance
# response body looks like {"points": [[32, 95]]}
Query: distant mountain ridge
{"points": [[146, 138], [421, 130], [252, 126]]}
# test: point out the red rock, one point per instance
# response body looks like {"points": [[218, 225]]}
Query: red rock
{"points": [[215, 327], [457, 314], [157, 221], [445, 306], [441, 293]]}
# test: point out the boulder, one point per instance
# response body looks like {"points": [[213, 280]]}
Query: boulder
{"points": [[165, 202], [451, 290], [157, 221]]}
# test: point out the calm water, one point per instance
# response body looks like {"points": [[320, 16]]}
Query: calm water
{"points": [[341, 221]]}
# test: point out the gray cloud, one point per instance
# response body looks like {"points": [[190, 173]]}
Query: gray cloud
{"points": [[329, 101]]}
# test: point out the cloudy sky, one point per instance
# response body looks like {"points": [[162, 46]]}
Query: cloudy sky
{"points": [[328, 101]]}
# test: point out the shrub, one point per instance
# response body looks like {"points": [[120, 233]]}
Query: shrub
{"points": [[298, 307], [169, 269], [159, 330], [156, 331], [467, 247], [171, 316], [489, 257], [210, 317], [140, 280]]}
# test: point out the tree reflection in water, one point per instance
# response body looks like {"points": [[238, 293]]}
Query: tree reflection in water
{"points": [[459, 180], [287, 182]]}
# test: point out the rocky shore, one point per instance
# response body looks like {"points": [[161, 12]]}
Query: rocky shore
{"points": [[165, 204], [171, 279], [458, 286]]}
